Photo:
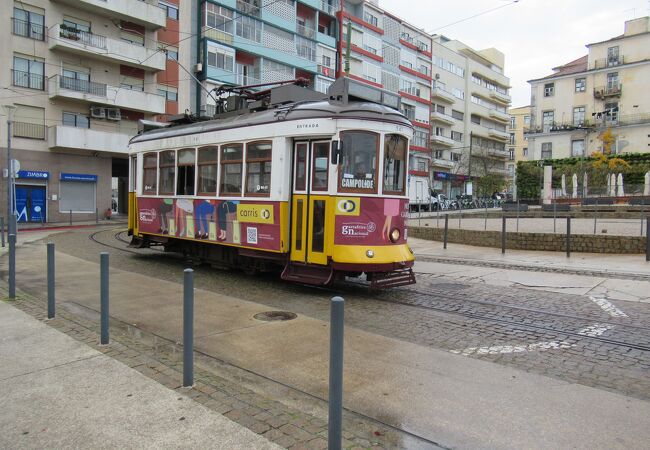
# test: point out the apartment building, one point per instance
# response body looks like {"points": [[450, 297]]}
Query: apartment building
{"points": [[388, 53], [80, 74], [251, 42], [469, 115], [605, 89], [517, 142]]}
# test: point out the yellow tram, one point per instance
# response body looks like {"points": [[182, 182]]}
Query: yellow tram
{"points": [[310, 184]]}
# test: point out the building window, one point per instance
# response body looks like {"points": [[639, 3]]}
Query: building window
{"points": [[369, 18], [29, 24], [231, 169], [438, 154], [171, 10], [132, 83], [221, 57], [457, 136], [249, 28], [549, 89], [167, 169], [258, 168], [455, 157], [172, 53], [170, 93], [581, 84], [511, 154], [613, 57], [29, 73], [219, 18], [30, 122], [578, 147], [149, 180], [578, 115], [611, 113], [547, 150], [207, 183], [322, 85], [612, 81], [512, 138], [75, 120], [512, 123], [408, 111], [458, 93], [458, 115], [526, 121], [475, 119], [548, 117], [420, 138], [511, 170], [525, 151]]}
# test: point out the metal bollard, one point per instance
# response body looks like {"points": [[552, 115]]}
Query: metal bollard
{"points": [[642, 212], [446, 230], [188, 327], [335, 416], [103, 301], [51, 302], [12, 266], [96, 216], [517, 216], [554, 217], [70, 217], [568, 236], [2, 230], [647, 238], [503, 234]]}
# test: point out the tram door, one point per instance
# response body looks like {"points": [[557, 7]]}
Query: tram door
{"points": [[309, 202]]}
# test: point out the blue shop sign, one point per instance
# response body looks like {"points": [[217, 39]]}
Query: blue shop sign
{"points": [[37, 174], [78, 177]]}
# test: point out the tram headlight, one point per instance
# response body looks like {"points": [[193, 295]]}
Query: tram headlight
{"points": [[394, 235], [370, 254]]}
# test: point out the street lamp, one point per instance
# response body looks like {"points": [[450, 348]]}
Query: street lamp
{"points": [[10, 109]]}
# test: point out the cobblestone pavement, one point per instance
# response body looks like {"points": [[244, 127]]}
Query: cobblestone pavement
{"points": [[219, 387], [436, 313]]}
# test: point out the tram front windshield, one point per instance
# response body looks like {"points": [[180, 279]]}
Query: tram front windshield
{"points": [[359, 162]]}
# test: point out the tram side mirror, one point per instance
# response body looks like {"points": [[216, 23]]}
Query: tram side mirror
{"points": [[337, 146]]}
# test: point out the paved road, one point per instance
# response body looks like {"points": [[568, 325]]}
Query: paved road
{"points": [[564, 336]]}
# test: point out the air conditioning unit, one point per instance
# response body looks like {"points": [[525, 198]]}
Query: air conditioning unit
{"points": [[198, 67], [97, 112], [113, 114]]}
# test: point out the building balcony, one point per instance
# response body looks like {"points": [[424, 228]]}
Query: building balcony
{"points": [[498, 134], [330, 7], [604, 63], [102, 94], [498, 171], [442, 163], [443, 140], [613, 90], [499, 97], [61, 136], [501, 154], [440, 117], [107, 49], [305, 31], [145, 13], [440, 93], [500, 116]]}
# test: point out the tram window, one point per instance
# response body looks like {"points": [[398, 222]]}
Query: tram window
{"points": [[301, 167], [395, 151], [231, 169], [186, 169], [167, 166], [258, 168], [359, 161], [150, 166], [320, 165], [208, 170]]}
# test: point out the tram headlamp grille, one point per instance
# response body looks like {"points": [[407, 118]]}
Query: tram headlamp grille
{"points": [[394, 235]]}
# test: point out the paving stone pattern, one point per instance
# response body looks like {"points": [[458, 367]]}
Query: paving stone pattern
{"points": [[282, 424]]}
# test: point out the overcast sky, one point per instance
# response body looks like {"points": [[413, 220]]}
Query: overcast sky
{"points": [[534, 35]]}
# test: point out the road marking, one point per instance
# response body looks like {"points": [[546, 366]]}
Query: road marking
{"points": [[594, 330], [502, 349], [608, 307]]}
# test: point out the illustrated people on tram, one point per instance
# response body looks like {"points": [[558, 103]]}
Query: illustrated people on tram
{"points": [[166, 206], [184, 211], [225, 209], [203, 211], [391, 209]]}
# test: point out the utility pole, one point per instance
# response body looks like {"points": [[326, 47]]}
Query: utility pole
{"points": [[469, 164], [10, 172], [347, 48]]}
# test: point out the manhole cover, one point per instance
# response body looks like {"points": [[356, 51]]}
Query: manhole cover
{"points": [[270, 316]]}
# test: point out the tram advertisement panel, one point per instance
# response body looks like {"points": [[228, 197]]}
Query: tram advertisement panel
{"points": [[369, 221], [236, 222]]}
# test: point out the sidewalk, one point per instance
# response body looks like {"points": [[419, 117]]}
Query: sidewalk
{"points": [[449, 399], [60, 393], [618, 277]]}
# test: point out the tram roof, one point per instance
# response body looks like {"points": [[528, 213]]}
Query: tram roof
{"points": [[292, 111]]}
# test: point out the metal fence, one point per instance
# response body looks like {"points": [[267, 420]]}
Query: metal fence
{"points": [[28, 29], [83, 37], [28, 80], [85, 86]]}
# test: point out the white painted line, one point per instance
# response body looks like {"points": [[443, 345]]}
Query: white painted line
{"points": [[608, 307], [595, 330], [502, 349]]}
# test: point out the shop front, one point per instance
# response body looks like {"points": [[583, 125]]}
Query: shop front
{"points": [[31, 195]]}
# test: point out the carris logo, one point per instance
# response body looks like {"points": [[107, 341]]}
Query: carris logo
{"points": [[347, 206], [147, 215]]}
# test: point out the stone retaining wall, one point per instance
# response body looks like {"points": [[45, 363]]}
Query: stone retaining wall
{"points": [[535, 241]]}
